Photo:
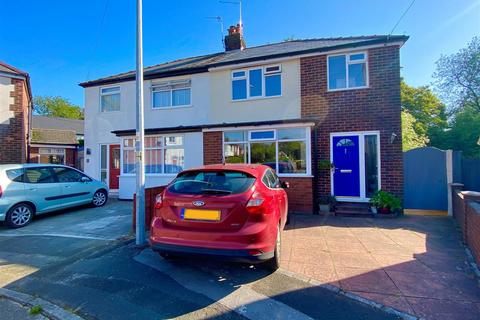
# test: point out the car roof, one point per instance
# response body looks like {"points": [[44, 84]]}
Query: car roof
{"points": [[28, 165], [255, 170]]}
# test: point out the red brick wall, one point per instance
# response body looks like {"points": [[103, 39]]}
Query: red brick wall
{"points": [[299, 194], [473, 228], [212, 147], [13, 136], [466, 211], [375, 108]]}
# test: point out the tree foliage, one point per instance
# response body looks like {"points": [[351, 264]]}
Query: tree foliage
{"points": [[56, 107], [410, 138], [458, 77]]}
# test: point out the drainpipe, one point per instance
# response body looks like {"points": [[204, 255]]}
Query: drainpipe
{"points": [[315, 171]]}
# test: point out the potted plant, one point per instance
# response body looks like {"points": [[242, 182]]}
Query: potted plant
{"points": [[325, 164], [326, 203], [384, 202]]}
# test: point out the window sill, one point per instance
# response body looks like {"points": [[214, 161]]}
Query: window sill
{"points": [[110, 112], [348, 89], [173, 108], [299, 175], [255, 98]]}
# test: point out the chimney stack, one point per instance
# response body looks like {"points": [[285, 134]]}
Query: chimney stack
{"points": [[234, 40]]}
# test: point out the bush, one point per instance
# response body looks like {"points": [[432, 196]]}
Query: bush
{"points": [[383, 199], [331, 200]]}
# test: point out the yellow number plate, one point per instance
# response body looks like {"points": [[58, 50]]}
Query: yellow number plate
{"points": [[195, 214]]}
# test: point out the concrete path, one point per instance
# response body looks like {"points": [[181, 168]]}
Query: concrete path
{"points": [[414, 264]]}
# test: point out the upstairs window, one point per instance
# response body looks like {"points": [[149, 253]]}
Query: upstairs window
{"points": [[347, 71], [175, 93], [257, 83], [110, 99]]}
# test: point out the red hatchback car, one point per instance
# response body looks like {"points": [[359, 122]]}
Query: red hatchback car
{"points": [[233, 211]]}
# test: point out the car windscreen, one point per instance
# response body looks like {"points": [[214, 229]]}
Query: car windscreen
{"points": [[212, 182]]}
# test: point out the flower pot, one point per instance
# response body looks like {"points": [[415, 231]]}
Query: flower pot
{"points": [[324, 207], [374, 210], [384, 210]]}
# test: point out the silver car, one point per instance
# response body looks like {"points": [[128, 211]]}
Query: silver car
{"points": [[31, 189]]}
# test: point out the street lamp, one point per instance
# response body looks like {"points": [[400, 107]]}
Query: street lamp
{"points": [[140, 139]]}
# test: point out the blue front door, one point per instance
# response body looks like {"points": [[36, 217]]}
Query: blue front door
{"points": [[346, 176]]}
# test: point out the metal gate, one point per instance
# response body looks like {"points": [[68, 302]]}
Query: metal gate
{"points": [[425, 179]]}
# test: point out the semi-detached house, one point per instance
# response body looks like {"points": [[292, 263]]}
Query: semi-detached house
{"points": [[291, 105]]}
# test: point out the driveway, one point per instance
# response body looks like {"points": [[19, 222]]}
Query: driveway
{"points": [[414, 264], [84, 260], [106, 223]]}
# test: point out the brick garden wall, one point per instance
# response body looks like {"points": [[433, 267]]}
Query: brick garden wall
{"points": [[466, 211], [375, 108], [13, 136]]}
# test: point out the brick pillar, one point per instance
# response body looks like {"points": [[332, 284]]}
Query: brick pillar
{"points": [[212, 147]]}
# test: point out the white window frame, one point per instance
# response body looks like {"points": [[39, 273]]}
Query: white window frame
{"points": [[361, 138], [247, 78], [248, 143], [62, 153], [155, 88], [347, 63], [107, 169], [162, 153], [110, 93]]}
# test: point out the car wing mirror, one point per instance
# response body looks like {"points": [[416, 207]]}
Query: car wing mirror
{"points": [[285, 184], [85, 179]]}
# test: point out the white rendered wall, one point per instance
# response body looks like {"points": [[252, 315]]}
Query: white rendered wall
{"points": [[286, 106], [6, 87]]}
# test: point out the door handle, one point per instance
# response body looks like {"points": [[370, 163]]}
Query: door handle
{"points": [[67, 186], [32, 189], [346, 171]]}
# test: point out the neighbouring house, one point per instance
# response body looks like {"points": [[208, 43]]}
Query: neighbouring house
{"points": [[289, 105], [57, 140], [15, 112]]}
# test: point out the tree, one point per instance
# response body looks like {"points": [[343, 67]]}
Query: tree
{"points": [[465, 132], [425, 107], [56, 107], [410, 138], [458, 77]]}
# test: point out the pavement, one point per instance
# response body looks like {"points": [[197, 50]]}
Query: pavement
{"points": [[94, 271], [415, 264], [13, 310]]}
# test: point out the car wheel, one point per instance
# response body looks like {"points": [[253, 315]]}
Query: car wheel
{"points": [[99, 198], [19, 215], [274, 263]]}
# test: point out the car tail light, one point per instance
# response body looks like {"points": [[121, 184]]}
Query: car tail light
{"points": [[158, 201], [1, 191], [254, 205]]}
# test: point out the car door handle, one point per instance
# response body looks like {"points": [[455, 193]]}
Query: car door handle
{"points": [[32, 189], [67, 186]]}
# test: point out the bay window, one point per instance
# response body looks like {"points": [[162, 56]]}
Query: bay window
{"points": [[163, 155], [260, 82], [347, 71], [285, 150]]}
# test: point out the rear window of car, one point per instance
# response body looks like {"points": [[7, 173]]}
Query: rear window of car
{"points": [[212, 182], [15, 175]]}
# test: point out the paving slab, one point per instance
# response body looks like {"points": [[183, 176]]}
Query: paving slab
{"points": [[413, 264]]}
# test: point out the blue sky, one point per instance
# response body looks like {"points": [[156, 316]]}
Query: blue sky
{"points": [[62, 43]]}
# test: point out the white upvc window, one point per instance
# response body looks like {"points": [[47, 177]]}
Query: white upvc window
{"points": [[168, 94], [110, 99], [347, 71], [51, 155], [163, 155], [287, 150], [258, 82]]}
